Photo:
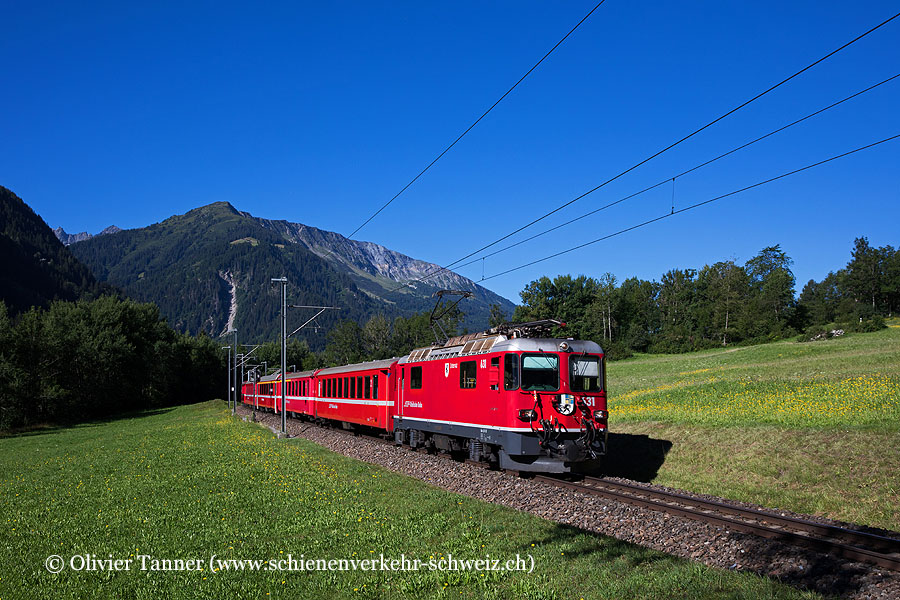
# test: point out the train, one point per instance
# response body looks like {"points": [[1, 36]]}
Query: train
{"points": [[510, 396]]}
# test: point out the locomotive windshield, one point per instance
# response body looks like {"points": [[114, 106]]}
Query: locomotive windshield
{"points": [[585, 373], [540, 372]]}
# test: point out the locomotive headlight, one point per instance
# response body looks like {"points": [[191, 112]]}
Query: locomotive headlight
{"points": [[566, 404], [599, 415], [527, 415]]}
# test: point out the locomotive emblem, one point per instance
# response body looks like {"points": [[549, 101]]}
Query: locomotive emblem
{"points": [[446, 369], [565, 404]]}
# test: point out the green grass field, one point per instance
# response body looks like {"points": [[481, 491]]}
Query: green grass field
{"points": [[193, 482], [812, 427]]}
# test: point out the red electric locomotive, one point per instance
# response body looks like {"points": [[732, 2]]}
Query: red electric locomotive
{"points": [[524, 403]]}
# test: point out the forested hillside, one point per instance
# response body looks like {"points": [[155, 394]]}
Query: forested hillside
{"points": [[35, 268]]}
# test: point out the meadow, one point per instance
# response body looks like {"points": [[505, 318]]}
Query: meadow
{"points": [[806, 426], [193, 482]]}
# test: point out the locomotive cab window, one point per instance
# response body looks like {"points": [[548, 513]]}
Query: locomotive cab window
{"points": [[467, 372], [540, 372], [415, 378], [511, 371], [584, 373]]}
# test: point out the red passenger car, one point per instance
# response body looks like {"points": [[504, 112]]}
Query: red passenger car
{"points": [[266, 393], [359, 394]]}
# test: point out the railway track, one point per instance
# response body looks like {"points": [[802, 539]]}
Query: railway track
{"points": [[838, 541]]}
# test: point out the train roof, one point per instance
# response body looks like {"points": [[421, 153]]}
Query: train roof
{"points": [[501, 343], [277, 376], [507, 337], [366, 366], [549, 345]]}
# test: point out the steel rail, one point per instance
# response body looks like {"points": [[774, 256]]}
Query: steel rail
{"points": [[830, 539]]}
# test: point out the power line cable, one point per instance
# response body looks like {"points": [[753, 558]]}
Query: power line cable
{"points": [[672, 179], [693, 206], [646, 160], [478, 120]]}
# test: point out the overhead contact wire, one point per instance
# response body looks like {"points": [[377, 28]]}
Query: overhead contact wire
{"points": [[693, 206], [672, 179], [666, 149], [478, 120]]}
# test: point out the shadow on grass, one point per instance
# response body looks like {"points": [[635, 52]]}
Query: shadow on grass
{"points": [[597, 546], [51, 429], [635, 457]]}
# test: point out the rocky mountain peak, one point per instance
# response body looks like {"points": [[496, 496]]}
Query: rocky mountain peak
{"points": [[70, 238]]}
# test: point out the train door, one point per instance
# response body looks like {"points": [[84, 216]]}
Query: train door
{"points": [[386, 415], [401, 383], [494, 373]]}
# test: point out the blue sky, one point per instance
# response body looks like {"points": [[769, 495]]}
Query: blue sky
{"points": [[127, 113]]}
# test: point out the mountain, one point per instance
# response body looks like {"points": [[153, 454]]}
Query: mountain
{"points": [[35, 268], [70, 238], [379, 271], [211, 268]]}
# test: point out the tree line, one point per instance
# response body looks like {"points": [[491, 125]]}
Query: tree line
{"points": [[77, 361], [719, 305], [867, 288]]}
